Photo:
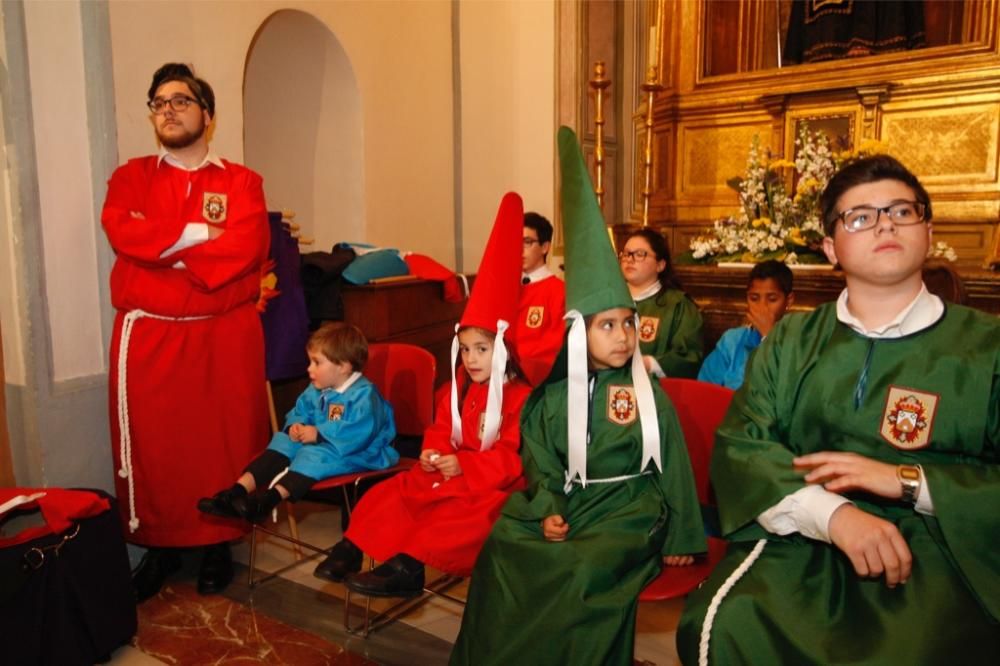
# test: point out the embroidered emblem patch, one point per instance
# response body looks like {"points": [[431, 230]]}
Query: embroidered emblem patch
{"points": [[622, 407], [908, 418], [214, 207], [335, 412], [535, 315], [648, 327]]}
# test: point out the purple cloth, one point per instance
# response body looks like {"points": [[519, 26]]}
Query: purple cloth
{"points": [[286, 325]]}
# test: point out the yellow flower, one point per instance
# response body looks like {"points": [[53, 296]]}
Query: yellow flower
{"points": [[782, 164], [761, 222], [795, 235]]}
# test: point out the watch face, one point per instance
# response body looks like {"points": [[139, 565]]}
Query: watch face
{"points": [[909, 473]]}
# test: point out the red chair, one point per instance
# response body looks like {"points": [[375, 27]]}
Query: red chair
{"points": [[404, 375], [700, 408]]}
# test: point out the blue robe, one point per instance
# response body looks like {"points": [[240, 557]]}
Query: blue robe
{"points": [[355, 431], [727, 363]]}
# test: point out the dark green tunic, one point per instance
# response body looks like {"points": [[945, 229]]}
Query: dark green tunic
{"points": [[670, 331], [532, 601], [816, 385]]}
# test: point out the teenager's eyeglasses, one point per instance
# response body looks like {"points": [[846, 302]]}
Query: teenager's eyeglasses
{"points": [[635, 255], [528, 242], [178, 103], [902, 213]]}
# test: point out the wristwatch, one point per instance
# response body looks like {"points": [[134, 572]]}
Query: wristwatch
{"points": [[909, 478]]}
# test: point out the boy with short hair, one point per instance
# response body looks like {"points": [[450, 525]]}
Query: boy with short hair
{"points": [[769, 295], [539, 326], [340, 424]]}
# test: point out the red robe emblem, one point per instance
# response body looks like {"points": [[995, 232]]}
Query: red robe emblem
{"points": [[536, 314], [214, 207]]}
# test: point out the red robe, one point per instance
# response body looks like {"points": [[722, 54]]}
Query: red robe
{"points": [[540, 329], [445, 523], [196, 404]]}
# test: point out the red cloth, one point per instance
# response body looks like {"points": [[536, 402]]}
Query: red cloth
{"points": [[428, 269], [60, 508], [196, 397], [539, 328], [494, 293], [445, 526]]}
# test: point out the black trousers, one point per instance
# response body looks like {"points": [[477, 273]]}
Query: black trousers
{"points": [[270, 464]]}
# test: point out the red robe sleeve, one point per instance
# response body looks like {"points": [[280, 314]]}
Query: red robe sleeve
{"points": [[242, 247], [124, 217]]}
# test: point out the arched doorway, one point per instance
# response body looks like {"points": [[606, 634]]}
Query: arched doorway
{"points": [[303, 127]]}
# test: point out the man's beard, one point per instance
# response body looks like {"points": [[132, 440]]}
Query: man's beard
{"points": [[184, 140]]}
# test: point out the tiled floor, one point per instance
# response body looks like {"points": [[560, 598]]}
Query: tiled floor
{"points": [[298, 619]]}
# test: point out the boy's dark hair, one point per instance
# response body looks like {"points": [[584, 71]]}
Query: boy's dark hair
{"points": [[176, 71], [868, 170], [774, 270], [340, 342], [541, 225], [658, 244]]}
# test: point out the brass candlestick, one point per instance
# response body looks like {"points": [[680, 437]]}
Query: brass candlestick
{"points": [[599, 83], [650, 87]]}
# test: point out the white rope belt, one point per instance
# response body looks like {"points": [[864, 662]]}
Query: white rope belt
{"points": [[610, 479], [720, 594], [124, 426]]}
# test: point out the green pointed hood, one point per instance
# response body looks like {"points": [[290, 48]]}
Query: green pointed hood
{"points": [[594, 279]]}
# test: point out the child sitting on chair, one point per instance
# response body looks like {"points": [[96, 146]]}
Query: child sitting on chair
{"points": [[769, 295], [610, 491], [340, 424], [440, 512]]}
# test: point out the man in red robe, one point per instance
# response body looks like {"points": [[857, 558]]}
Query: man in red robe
{"points": [[188, 404], [539, 327]]}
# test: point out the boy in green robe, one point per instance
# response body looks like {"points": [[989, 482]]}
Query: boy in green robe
{"points": [[610, 490], [862, 456]]}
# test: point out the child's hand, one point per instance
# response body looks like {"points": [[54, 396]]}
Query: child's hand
{"points": [[448, 466], [295, 432], [647, 362], [427, 458], [308, 434], [678, 560], [554, 528]]}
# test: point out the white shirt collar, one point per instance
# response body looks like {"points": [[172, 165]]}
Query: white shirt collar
{"points": [[923, 311], [648, 292], [538, 274], [347, 383], [210, 158]]}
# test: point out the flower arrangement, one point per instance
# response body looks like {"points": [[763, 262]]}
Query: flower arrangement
{"points": [[773, 224]]}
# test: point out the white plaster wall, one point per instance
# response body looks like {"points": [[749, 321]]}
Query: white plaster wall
{"points": [[55, 57], [401, 53], [303, 127], [10, 307], [508, 112]]}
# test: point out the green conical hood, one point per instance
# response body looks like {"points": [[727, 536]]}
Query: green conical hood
{"points": [[594, 279]]}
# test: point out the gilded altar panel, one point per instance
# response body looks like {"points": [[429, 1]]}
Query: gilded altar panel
{"points": [[712, 154], [953, 146]]}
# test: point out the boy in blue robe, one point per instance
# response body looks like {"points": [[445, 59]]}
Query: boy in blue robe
{"points": [[769, 295], [340, 424]]}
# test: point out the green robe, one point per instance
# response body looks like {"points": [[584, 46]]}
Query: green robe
{"points": [[816, 385], [676, 343], [532, 601]]}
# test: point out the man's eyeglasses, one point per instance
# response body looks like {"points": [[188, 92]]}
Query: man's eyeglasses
{"points": [[178, 103], [901, 213], [635, 255]]}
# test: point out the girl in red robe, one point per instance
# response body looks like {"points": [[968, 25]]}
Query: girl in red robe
{"points": [[441, 511]]}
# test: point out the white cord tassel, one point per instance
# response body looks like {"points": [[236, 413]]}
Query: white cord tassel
{"points": [[647, 409], [576, 425], [274, 482], [720, 594], [494, 398]]}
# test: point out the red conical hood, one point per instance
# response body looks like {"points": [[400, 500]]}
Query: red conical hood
{"points": [[498, 281]]}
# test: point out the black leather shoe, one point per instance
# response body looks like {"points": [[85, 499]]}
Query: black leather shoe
{"points": [[345, 558], [392, 578], [260, 505], [226, 503], [156, 566], [216, 569]]}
